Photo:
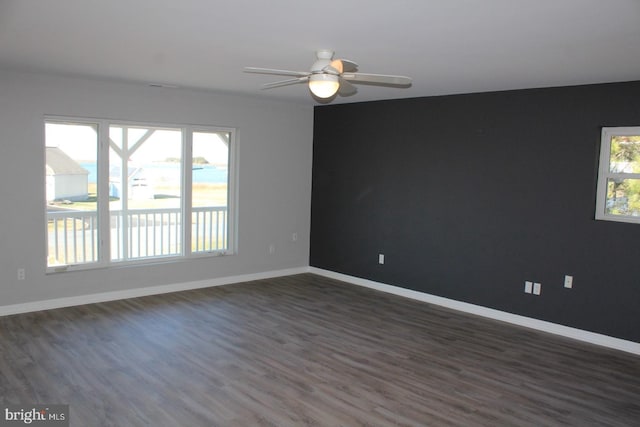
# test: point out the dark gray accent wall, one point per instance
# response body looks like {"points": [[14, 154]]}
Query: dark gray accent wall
{"points": [[470, 195]]}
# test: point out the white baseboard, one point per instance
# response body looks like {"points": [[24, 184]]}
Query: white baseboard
{"points": [[141, 292], [540, 325]]}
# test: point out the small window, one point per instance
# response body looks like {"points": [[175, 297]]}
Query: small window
{"points": [[618, 197]]}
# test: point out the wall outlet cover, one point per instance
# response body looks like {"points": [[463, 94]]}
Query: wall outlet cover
{"points": [[568, 281], [537, 288], [528, 287]]}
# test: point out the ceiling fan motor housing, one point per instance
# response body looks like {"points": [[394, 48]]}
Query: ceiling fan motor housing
{"points": [[324, 60]]}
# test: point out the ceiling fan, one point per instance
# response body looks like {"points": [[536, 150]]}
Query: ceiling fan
{"points": [[329, 76]]}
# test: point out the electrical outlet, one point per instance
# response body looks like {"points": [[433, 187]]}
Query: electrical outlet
{"points": [[568, 281], [380, 258], [21, 274], [537, 288], [294, 237], [272, 248], [528, 287]]}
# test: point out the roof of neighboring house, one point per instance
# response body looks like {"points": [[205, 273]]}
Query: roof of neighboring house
{"points": [[59, 163]]}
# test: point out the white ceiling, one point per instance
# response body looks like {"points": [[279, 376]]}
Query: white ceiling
{"points": [[446, 46]]}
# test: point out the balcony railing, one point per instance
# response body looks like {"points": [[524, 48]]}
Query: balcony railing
{"points": [[73, 235]]}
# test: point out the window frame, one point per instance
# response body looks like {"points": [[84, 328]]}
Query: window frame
{"points": [[604, 173], [102, 208]]}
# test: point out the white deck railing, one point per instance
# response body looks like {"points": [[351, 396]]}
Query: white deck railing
{"points": [[73, 235]]}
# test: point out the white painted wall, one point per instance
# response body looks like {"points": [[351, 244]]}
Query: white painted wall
{"points": [[274, 180]]}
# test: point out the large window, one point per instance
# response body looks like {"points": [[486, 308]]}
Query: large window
{"points": [[618, 196], [120, 192]]}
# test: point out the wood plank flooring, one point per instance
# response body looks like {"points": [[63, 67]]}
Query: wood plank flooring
{"points": [[306, 350]]}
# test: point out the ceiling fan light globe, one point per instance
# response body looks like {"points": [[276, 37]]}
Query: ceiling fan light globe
{"points": [[323, 85]]}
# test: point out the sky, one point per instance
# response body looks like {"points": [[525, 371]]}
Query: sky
{"points": [[79, 141]]}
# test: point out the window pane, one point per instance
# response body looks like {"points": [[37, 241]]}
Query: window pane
{"points": [[71, 193], [210, 176], [115, 136], [625, 154], [623, 197], [145, 192]]}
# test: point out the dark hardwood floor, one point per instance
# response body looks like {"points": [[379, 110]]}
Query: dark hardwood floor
{"points": [[306, 350]]}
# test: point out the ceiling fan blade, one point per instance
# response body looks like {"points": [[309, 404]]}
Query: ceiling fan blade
{"points": [[285, 82], [348, 66], [341, 65], [276, 72], [380, 79], [346, 88]]}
